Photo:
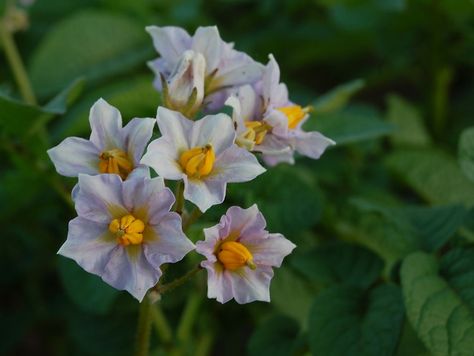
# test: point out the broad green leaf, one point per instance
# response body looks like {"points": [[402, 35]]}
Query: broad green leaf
{"points": [[347, 320], [92, 44], [291, 295], [353, 124], [276, 336], [466, 152], [338, 97], [410, 129], [66, 97], [86, 290], [433, 174], [339, 263], [439, 303], [134, 98]]}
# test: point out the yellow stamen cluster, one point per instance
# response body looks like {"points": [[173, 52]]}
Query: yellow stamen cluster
{"points": [[115, 161], [128, 230], [256, 131], [198, 162], [294, 114], [234, 255]]}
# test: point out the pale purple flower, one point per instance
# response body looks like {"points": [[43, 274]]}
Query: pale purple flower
{"points": [[202, 153], [110, 148], [225, 67], [240, 255], [125, 231], [268, 122]]}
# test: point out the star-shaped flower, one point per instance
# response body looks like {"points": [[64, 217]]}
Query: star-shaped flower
{"points": [[202, 153], [125, 231], [240, 255]]}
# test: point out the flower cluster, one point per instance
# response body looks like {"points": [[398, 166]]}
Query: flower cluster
{"points": [[129, 224]]}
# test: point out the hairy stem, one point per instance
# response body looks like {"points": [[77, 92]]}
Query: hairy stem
{"points": [[144, 328], [179, 205], [163, 288], [16, 65]]}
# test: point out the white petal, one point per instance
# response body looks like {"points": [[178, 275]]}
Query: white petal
{"points": [[219, 285], [244, 73], [100, 198], [75, 155], [163, 157], [276, 158], [137, 133], [216, 130], [207, 41], [271, 79], [169, 41], [251, 285], [236, 165], [248, 222], [174, 127], [138, 193], [269, 249], [106, 125], [204, 194], [131, 271], [311, 144]]}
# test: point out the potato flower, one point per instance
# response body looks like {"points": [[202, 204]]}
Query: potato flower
{"points": [[240, 255], [125, 231], [110, 148], [202, 153]]}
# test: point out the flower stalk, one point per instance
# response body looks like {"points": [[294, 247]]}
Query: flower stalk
{"points": [[163, 288], [144, 328]]}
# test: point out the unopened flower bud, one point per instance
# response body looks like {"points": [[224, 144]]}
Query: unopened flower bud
{"points": [[184, 89]]}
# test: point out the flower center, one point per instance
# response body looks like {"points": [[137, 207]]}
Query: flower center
{"points": [[294, 114], [256, 131], [234, 255], [128, 230], [115, 161], [197, 162]]}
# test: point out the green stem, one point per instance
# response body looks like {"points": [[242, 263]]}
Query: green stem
{"points": [[188, 317], [144, 328], [163, 288], [161, 325], [179, 205], [17, 66], [191, 219], [204, 344]]}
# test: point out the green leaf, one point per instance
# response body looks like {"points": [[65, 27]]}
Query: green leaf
{"points": [[338, 97], [277, 336], [291, 294], [433, 174], [355, 265], [92, 44], [441, 309], [348, 320], [410, 128], [466, 152], [86, 290], [353, 124], [66, 97]]}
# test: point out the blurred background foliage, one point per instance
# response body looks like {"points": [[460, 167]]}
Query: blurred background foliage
{"points": [[383, 222]]}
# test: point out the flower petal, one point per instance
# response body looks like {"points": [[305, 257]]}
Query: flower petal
{"points": [[100, 198], [281, 157], [249, 222], [237, 74], [75, 155], [89, 244], [213, 129], [213, 235], [207, 41], [106, 125], [174, 127], [269, 249], [219, 285], [311, 144], [128, 269], [170, 244], [204, 194], [138, 193], [137, 133], [163, 157], [251, 285], [169, 41], [236, 165]]}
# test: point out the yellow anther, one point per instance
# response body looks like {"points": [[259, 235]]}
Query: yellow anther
{"points": [[115, 161], [294, 114], [198, 162], [256, 131], [128, 230], [234, 255]]}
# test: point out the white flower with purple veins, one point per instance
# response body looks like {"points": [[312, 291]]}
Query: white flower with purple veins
{"points": [[202, 153], [224, 66], [125, 231], [110, 149], [240, 255], [268, 122]]}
